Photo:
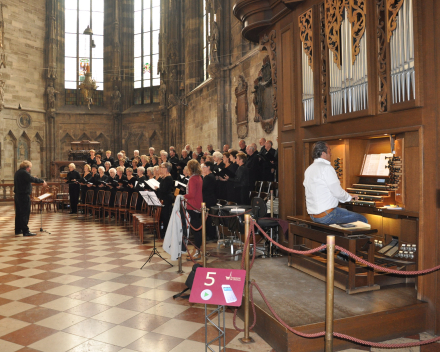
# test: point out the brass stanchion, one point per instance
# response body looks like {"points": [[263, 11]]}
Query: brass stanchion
{"points": [[247, 339], [204, 234], [330, 294]]}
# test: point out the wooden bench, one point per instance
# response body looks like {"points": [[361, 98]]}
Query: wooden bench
{"points": [[305, 234]]}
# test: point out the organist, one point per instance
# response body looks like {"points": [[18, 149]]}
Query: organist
{"points": [[324, 192]]}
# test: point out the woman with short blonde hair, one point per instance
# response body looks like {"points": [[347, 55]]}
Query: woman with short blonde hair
{"points": [[73, 178]]}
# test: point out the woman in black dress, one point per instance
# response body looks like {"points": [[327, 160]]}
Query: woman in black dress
{"points": [[134, 164], [112, 182], [241, 180], [73, 177], [91, 158], [87, 177], [154, 160], [131, 183], [93, 182], [100, 178], [121, 178], [145, 162], [165, 192], [107, 166], [231, 195], [209, 196], [141, 184]]}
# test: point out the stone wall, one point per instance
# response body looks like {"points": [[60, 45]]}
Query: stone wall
{"points": [[22, 131]]}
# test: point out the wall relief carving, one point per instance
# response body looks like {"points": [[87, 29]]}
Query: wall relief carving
{"points": [[265, 86], [24, 120], [242, 107]]}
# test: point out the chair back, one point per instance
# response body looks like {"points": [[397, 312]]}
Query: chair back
{"points": [[89, 197], [158, 212], [264, 196], [144, 206], [253, 194], [259, 208], [118, 199], [133, 200], [258, 185], [124, 200], [222, 202], [265, 186], [100, 198], [107, 196]]}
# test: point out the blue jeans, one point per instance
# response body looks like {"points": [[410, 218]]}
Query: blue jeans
{"points": [[340, 216]]}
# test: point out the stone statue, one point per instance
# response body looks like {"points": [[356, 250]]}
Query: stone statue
{"points": [[2, 93], [116, 96], [162, 94], [213, 40], [51, 96]]}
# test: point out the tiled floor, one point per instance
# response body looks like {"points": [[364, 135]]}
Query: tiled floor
{"points": [[80, 289]]}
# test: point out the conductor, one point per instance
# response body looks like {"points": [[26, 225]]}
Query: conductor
{"points": [[23, 189]]}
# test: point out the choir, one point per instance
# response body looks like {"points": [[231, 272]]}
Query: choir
{"points": [[228, 175]]}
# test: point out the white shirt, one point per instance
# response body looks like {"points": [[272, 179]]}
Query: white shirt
{"points": [[322, 186]]}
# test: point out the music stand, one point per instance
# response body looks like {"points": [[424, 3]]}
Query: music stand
{"points": [[40, 204], [152, 200]]}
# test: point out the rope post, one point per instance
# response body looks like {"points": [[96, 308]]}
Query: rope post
{"points": [[204, 234], [180, 268], [247, 339], [271, 203], [330, 294]]}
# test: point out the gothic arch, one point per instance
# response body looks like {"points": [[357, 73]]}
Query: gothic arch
{"points": [[65, 146], [105, 142], [23, 148], [131, 143], [36, 155], [84, 137], [10, 156], [155, 140]]}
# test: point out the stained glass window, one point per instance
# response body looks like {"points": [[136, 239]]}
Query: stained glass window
{"points": [[83, 51], [206, 32], [146, 50]]}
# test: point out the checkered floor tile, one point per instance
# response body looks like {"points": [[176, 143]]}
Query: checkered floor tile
{"points": [[78, 288]]}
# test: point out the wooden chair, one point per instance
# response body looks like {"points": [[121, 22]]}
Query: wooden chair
{"points": [[145, 211], [105, 204], [35, 205], [98, 205], [126, 211], [265, 186], [258, 185], [253, 194], [122, 206], [87, 204], [114, 209], [134, 211], [63, 196], [152, 222]]}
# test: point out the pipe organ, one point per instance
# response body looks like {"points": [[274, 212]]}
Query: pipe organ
{"points": [[401, 38], [305, 25]]}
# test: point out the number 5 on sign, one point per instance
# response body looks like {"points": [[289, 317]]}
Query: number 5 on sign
{"points": [[208, 277]]}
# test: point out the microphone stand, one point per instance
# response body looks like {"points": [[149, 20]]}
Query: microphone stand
{"points": [[154, 251], [41, 217]]}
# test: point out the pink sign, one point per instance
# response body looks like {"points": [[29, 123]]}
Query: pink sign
{"points": [[223, 287]]}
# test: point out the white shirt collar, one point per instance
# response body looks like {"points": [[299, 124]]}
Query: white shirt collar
{"points": [[321, 160]]}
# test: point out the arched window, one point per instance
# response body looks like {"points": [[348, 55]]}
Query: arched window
{"points": [[206, 33], [83, 51], [146, 51]]}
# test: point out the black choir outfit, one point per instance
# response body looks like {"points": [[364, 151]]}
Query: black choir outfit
{"points": [[113, 188], [210, 199], [231, 194], [73, 177], [165, 192], [22, 190], [141, 186], [99, 181], [91, 161], [130, 190], [268, 166], [243, 150], [253, 164], [112, 161], [241, 184], [199, 156], [174, 161], [84, 181]]}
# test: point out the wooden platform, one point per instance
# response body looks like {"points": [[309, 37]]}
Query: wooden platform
{"points": [[299, 300]]}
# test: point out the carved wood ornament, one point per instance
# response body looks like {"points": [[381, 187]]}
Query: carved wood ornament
{"points": [[334, 16], [242, 107], [306, 34], [323, 49], [382, 55], [392, 9], [265, 86]]}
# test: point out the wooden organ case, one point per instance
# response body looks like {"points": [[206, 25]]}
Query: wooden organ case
{"points": [[388, 199]]}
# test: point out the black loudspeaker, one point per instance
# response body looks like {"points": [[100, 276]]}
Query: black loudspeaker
{"points": [[189, 281]]}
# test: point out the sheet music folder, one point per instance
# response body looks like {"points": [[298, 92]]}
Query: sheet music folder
{"points": [[151, 198], [44, 196]]}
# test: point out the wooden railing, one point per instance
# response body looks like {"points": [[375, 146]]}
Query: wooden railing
{"points": [[7, 190]]}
